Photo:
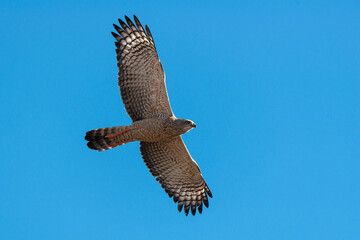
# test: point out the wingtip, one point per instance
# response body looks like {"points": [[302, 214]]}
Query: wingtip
{"points": [[114, 35], [147, 29], [193, 210], [206, 203], [180, 206], [123, 24], [117, 28], [186, 209], [127, 18], [208, 191], [200, 208]]}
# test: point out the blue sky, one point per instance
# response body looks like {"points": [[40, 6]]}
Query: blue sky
{"points": [[273, 86]]}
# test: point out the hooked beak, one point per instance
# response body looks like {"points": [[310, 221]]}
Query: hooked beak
{"points": [[193, 125]]}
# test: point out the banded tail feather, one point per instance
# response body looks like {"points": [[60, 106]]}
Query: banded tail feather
{"points": [[106, 138]]}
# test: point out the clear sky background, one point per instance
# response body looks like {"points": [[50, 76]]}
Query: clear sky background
{"points": [[273, 86]]}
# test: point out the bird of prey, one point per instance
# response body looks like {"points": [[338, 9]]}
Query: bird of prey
{"points": [[141, 80]]}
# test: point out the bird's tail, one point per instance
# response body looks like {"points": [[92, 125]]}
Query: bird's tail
{"points": [[106, 138]]}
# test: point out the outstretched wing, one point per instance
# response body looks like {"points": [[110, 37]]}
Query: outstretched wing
{"points": [[177, 173], [141, 75]]}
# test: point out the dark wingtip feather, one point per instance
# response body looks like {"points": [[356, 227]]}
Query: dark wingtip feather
{"points": [[135, 18], [200, 208], [139, 26], [123, 24], [193, 209], [206, 203], [180, 206], [128, 19], [115, 35], [120, 21], [149, 35], [208, 191], [186, 209], [118, 29], [148, 31]]}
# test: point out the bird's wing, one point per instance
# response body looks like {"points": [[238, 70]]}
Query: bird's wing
{"points": [[180, 176], [141, 75]]}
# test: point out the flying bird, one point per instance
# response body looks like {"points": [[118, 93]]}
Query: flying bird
{"points": [[141, 79]]}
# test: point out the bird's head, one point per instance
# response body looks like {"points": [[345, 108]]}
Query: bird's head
{"points": [[184, 125]]}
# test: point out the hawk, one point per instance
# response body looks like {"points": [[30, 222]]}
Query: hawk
{"points": [[141, 79]]}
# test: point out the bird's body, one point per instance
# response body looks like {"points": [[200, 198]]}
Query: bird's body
{"points": [[146, 130], [143, 91]]}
